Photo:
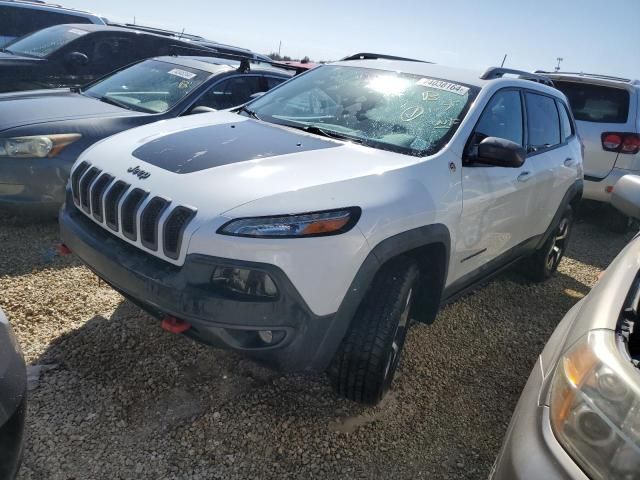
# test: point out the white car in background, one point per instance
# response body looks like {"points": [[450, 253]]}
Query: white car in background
{"points": [[307, 227], [607, 113]]}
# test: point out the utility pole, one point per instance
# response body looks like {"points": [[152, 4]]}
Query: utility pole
{"points": [[503, 60], [560, 60], [279, 47]]}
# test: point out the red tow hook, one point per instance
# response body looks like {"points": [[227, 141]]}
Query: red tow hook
{"points": [[174, 325], [63, 250]]}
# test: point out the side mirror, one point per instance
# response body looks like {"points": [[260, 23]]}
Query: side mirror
{"points": [[202, 109], [256, 95], [626, 196], [77, 58], [501, 153]]}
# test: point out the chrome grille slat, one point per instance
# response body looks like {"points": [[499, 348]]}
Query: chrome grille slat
{"points": [[130, 206], [97, 192], [75, 181], [173, 230], [149, 220], [111, 203], [131, 212], [83, 189]]}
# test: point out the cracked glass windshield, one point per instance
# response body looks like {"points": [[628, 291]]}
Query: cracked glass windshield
{"points": [[405, 113]]}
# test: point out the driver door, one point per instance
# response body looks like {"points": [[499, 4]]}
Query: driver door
{"points": [[496, 200]]}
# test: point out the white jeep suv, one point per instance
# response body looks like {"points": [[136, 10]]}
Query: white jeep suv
{"points": [[607, 113], [307, 228]]}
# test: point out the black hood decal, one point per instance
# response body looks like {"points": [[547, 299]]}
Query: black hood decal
{"points": [[216, 145]]}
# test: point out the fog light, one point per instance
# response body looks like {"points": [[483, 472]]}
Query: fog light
{"points": [[266, 336], [243, 282], [271, 337]]}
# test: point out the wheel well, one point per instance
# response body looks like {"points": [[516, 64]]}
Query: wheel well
{"points": [[432, 262]]}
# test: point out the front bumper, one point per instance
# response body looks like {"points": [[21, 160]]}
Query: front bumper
{"points": [[595, 189], [33, 185], [185, 292]]}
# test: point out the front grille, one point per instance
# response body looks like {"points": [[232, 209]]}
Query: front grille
{"points": [[115, 205], [174, 228]]}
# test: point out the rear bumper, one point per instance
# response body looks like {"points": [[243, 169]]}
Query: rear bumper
{"points": [[596, 189], [185, 292]]}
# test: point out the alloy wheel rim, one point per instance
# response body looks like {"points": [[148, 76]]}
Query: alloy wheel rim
{"points": [[398, 338], [559, 243]]}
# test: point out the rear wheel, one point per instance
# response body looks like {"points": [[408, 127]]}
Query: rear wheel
{"points": [[544, 261], [364, 366]]}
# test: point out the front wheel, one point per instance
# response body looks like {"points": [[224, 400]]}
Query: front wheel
{"points": [[366, 361], [544, 262]]}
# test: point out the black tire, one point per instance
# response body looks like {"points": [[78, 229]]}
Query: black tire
{"points": [[364, 366], [616, 221], [543, 263]]}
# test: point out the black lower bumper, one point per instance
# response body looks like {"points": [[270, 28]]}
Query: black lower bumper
{"points": [[305, 341], [12, 442]]}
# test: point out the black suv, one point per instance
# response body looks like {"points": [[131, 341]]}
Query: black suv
{"points": [[76, 54], [18, 18]]}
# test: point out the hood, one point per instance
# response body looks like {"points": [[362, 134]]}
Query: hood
{"points": [[28, 108], [7, 58], [217, 161]]}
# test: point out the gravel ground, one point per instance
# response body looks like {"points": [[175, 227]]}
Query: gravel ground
{"points": [[124, 399]]}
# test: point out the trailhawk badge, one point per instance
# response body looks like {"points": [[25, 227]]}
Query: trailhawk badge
{"points": [[138, 172]]}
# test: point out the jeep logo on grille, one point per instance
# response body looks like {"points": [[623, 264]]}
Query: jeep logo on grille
{"points": [[138, 172]]}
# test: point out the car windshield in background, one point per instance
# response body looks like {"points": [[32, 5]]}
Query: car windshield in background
{"points": [[44, 42], [394, 111], [595, 103], [151, 86]]}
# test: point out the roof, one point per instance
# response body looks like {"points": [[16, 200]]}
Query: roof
{"points": [[469, 77], [582, 76], [39, 5], [216, 65]]}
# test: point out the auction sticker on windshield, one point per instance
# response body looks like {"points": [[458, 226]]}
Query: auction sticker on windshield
{"points": [[182, 73], [442, 85], [77, 31]]}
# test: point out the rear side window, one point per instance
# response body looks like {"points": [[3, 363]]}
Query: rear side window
{"points": [[542, 121], [596, 103], [16, 22], [565, 121]]}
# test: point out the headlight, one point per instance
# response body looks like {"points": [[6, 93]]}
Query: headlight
{"points": [[595, 408], [38, 146], [330, 222]]}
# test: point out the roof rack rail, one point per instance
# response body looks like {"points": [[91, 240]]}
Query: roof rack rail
{"points": [[492, 73], [379, 56], [245, 60], [594, 75], [157, 31]]}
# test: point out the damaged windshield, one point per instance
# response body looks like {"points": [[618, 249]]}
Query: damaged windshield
{"points": [[394, 111]]}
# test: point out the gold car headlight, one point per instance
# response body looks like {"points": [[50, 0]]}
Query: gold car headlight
{"points": [[36, 146], [595, 407]]}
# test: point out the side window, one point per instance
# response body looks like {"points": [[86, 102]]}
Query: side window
{"points": [[273, 82], [231, 92], [565, 121], [502, 118], [542, 121], [15, 21]]}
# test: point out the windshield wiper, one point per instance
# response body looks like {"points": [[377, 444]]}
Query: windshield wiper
{"points": [[316, 130], [249, 112], [115, 102]]}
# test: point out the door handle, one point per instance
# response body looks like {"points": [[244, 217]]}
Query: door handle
{"points": [[524, 176], [569, 162]]}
